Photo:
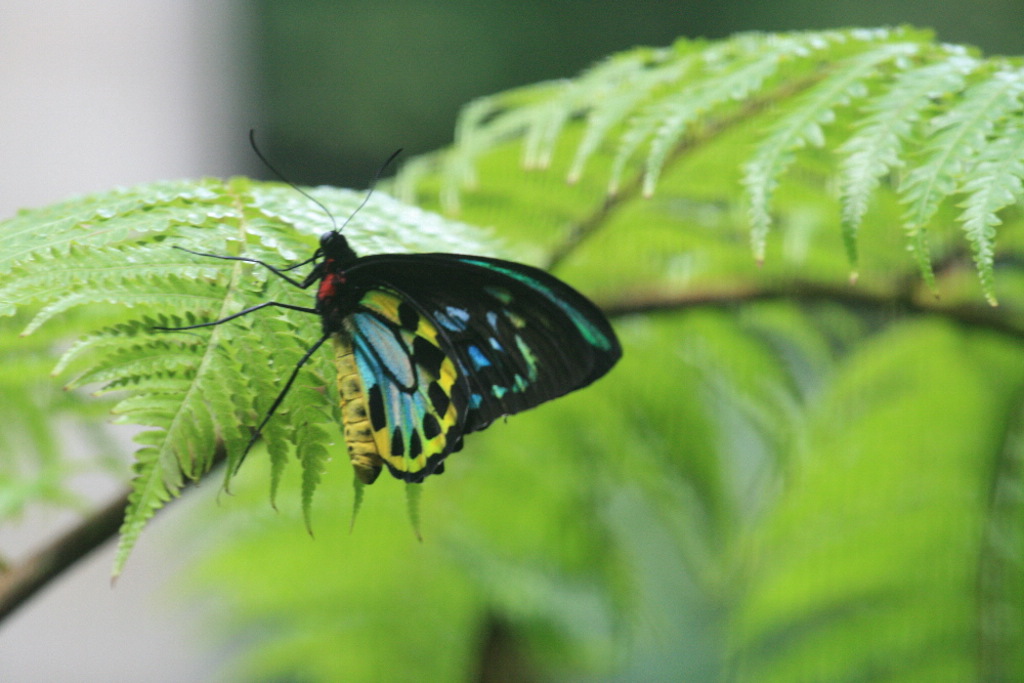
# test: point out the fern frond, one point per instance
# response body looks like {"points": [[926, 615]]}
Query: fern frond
{"points": [[733, 72], [649, 121], [610, 110], [150, 491], [959, 136], [199, 392], [504, 118], [313, 456], [877, 144], [995, 183], [703, 82], [803, 126]]}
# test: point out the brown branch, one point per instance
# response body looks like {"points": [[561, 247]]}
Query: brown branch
{"points": [[980, 315], [22, 581]]}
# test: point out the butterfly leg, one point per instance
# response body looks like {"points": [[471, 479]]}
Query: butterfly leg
{"points": [[280, 272], [280, 397], [290, 307]]}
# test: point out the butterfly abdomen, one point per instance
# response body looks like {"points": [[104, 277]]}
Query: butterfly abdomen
{"points": [[355, 415]]}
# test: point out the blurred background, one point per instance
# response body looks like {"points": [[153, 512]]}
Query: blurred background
{"points": [[101, 94]]}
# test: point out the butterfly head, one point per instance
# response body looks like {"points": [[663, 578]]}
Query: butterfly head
{"points": [[334, 247]]}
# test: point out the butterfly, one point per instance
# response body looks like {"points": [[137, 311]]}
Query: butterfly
{"points": [[430, 347]]}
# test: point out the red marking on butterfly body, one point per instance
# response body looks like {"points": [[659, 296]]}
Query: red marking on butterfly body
{"points": [[329, 285]]}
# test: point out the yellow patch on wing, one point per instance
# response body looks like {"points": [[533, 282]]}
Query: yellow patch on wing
{"points": [[396, 386]]}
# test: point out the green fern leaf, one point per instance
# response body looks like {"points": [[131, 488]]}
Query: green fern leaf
{"points": [[803, 126], [199, 391], [639, 128], [876, 146], [628, 80], [150, 491], [732, 73], [313, 456], [891, 101], [994, 184], [697, 86], [459, 168], [961, 133]]}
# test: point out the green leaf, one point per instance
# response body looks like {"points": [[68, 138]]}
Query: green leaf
{"points": [[877, 144], [804, 126], [200, 391], [994, 184], [150, 490], [821, 111], [959, 136]]}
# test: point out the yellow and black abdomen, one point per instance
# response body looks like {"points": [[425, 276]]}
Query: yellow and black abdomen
{"points": [[355, 416]]}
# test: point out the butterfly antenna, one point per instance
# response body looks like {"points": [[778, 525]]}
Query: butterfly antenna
{"points": [[373, 184], [266, 162]]}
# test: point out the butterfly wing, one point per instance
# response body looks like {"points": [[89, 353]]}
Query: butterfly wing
{"points": [[402, 403], [445, 344]]}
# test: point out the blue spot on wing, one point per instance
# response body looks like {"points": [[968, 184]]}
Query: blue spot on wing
{"points": [[452, 318], [375, 339], [383, 359], [477, 356]]}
